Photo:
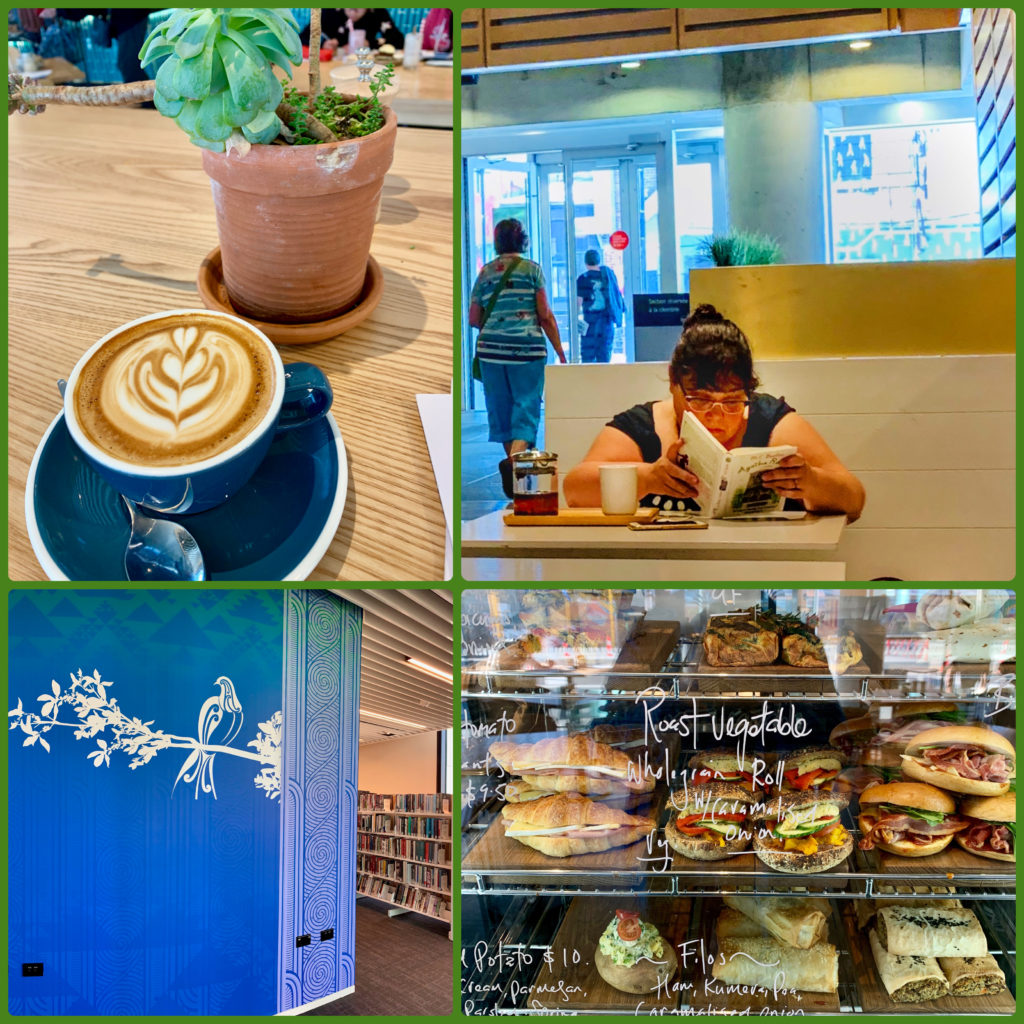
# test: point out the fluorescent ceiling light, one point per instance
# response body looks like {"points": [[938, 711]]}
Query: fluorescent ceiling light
{"points": [[860, 44], [388, 718], [431, 670], [629, 65]]}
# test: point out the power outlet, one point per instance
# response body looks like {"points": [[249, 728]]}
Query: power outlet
{"points": [[303, 940], [327, 933], [31, 970]]}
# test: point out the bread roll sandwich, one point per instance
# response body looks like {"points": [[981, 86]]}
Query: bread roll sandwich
{"points": [[853, 735], [962, 758], [928, 931], [972, 975], [911, 819], [771, 964], [908, 979], [567, 823], [800, 832], [991, 826], [576, 763], [725, 764], [810, 769], [709, 822], [633, 957], [797, 922]]}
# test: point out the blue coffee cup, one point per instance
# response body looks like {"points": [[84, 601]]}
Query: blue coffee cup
{"points": [[301, 394]]}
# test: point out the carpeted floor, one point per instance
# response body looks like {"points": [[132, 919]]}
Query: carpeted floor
{"points": [[403, 966]]}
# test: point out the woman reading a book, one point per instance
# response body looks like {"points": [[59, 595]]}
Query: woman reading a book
{"points": [[711, 375]]}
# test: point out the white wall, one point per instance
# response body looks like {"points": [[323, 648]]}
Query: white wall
{"points": [[407, 765]]}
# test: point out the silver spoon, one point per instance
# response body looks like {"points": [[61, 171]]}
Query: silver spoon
{"points": [[161, 550], [158, 549]]}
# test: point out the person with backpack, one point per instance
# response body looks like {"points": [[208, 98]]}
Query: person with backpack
{"points": [[599, 298]]}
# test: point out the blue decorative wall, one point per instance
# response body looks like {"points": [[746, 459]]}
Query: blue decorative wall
{"points": [[148, 805], [319, 796]]}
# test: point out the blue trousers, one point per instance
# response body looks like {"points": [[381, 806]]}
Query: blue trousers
{"points": [[596, 344]]}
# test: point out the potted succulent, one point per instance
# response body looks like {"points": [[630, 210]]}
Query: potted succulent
{"points": [[283, 166]]}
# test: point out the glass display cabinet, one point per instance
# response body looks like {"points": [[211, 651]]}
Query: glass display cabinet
{"points": [[672, 802]]}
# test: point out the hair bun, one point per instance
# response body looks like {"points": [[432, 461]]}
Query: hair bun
{"points": [[705, 313]]}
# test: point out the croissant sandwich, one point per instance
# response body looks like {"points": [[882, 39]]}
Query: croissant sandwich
{"points": [[572, 764], [567, 823]]}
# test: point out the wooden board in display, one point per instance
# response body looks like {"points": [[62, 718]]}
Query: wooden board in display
{"points": [[495, 851], [954, 864], [646, 651], [875, 999], [572, 964]]}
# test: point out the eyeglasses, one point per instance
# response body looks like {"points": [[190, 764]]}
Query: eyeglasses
{"points": [[733, 406]]}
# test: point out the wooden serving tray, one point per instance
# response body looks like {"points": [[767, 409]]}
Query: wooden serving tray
{"points": [[711, 997], [646, 651], [581, 517], [765, 679], [495, 851], [875, 999], [952, 863], [572, 956]]}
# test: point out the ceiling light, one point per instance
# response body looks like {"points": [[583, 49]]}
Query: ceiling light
{"points": [[430, 669], [860, 44], [631, 65], [388, 718]]}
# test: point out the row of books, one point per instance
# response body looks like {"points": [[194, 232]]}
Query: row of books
{"points": [[432, 878], [424, 803], [375, 801], [426, 828], [431, 904], [380, 866], [414, 849], [402, 871]]}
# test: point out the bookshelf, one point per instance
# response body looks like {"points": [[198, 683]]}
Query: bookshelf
{"points": [[404, 852]]}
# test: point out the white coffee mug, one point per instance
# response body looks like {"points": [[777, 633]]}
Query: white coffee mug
{"points": [[618, 490]]}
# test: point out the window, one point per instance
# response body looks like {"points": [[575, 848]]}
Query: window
{"points": [[903, 192]]}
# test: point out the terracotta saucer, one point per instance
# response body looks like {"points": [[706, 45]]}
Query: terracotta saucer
{"points": [[215, 296]]}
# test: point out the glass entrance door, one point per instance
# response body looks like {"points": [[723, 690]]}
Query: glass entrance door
{"points": [[569, 201], [613, 212]]}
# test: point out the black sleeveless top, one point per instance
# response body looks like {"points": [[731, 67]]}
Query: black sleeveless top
{"points": [[638, 425]]}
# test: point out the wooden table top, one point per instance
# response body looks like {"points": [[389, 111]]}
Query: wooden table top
{"points": [[110, 218]]}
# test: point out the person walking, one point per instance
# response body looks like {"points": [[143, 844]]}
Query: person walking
{"points": [[602, 305], [509, 306]]}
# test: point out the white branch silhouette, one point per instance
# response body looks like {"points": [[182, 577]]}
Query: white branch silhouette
{"points": [[96, 713]]}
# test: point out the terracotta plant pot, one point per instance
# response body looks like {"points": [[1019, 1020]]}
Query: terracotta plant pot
{"points": [[296, 222]]}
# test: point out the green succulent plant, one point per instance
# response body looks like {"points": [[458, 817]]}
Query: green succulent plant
{"points": [[216, 70]]}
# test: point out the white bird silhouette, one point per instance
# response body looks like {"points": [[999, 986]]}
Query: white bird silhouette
{"points": [[220, 720]]}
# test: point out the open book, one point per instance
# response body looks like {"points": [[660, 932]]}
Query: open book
{"points": [[730, 481]]}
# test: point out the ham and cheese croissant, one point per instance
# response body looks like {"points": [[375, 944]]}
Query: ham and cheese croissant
{"points": [[572, 764], [567, 824]]}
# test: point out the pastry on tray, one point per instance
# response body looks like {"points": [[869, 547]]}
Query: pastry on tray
{"points": [[567, 824]]}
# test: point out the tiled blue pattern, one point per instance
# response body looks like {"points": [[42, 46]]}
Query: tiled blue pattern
{"points": [[319, 796]]}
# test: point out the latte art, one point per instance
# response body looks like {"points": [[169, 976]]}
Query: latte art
{"points": [[173, 391]]}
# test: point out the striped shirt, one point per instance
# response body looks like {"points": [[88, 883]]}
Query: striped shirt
{"points": [[512, 333]]}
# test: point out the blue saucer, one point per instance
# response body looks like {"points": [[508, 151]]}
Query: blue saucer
{"points": [[277, 527]]}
